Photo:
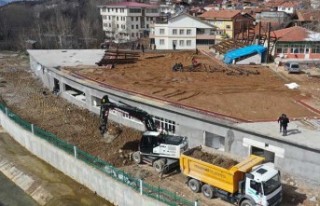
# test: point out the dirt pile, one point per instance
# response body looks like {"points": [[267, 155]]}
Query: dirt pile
{"points": [[215, 159], [249, 97]]}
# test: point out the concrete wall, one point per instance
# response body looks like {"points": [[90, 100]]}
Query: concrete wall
{"points": [[300, 161], [103, 185], [256, 59]]}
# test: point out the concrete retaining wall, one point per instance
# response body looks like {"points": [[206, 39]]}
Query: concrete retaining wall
{"points": [[103, 185]]}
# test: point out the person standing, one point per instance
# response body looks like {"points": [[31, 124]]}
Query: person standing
{"points": [[280, 120], [285, 122]]}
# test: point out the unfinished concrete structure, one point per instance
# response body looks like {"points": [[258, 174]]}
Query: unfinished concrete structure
{"points": [[298, 154]]}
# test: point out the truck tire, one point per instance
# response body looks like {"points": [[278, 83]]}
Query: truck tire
{"points": [[194, 185], [246, 203], [136, 157], [207, 191], [159, 165]]}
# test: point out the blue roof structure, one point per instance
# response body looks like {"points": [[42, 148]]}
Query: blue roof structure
{"points": [[242, 52]]}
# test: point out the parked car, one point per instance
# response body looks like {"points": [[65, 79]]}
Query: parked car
{"points": [[292, 67]]}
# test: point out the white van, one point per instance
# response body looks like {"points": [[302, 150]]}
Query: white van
{"points": [[292, 67]]}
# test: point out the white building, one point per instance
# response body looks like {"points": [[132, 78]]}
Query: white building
{"points": [[127, 21], [289, 7], [184, 32]]}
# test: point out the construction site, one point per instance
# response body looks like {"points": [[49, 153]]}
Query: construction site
{"points": [[244, 92], [250, 93]]}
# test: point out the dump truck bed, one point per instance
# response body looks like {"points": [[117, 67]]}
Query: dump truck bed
{"points": [[223, 178]]}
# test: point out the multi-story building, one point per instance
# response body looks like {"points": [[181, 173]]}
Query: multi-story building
{"points": [[182, 32], [229, 23], [127, 21]]}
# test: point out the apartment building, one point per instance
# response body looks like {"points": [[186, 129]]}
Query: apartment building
{"points": [[127, 21], [228, 22], [182, 32]]}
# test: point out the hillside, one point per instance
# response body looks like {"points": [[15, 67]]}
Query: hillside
{"points": [[53, 24]]}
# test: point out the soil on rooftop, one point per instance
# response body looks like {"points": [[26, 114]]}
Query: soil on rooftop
{"points": [[249, 97]]}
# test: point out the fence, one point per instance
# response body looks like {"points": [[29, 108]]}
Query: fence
{"points": [[140, 186]]}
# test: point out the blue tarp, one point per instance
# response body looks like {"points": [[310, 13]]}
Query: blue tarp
{"points": [[242, 52]]}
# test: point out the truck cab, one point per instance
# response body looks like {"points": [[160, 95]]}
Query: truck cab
{"points": [[262, 186]]}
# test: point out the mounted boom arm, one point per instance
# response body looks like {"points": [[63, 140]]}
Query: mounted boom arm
{"points": [[106, 105]]}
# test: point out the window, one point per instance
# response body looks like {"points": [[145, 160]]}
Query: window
{"points": [[137, 34], [132, 34], [117, 18], [134, 10], [137, 18], [104, 9], [108, 9], [214, 141], [109, 24], [105, 17], [137, 26], [181, 42], [228, 26], [109, 17], [117, 10], [147, 18], [256, 186], [174, 42], [188, 31], [132, 18], [174, 31], [188, 42], [181, 31], [161, 41], [161, 31], [165, 124], [122, 10], [147, 26], [112, 9], [118, 26], [315, 48], [132, 26]]}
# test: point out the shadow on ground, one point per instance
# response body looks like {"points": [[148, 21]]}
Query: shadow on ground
{"points": [[132, 145], [293, 131], [291, 196]]}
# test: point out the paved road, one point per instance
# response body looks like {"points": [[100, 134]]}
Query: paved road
{"points": [[11, 195]]}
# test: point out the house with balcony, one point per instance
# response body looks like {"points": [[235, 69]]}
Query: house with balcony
{"points": [[182, 32], [229, 23], [297, 43], [127, 21]]}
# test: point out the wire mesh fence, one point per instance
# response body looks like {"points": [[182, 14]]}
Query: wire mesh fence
{"points": [[140, 186]]}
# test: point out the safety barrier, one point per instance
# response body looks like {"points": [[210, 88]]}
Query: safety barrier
{"points": [[139, 185]]}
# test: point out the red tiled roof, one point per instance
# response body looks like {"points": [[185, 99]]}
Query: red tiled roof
{"points": [[295, 34], [308, 15], [289, 4], [219, 14], [130, 4]]}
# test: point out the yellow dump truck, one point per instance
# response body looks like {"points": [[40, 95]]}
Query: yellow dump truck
{"points": [[247, 183]]}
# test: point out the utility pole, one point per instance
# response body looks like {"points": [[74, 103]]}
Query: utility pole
{"points": [[268, 46]]}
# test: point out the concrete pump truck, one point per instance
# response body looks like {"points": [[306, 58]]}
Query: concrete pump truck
{"points": [[160, 150]]}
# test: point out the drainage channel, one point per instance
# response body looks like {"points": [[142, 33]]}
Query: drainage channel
{"points": [[12, 195]]}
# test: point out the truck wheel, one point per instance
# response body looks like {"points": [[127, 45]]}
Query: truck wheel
{"points": [[207, 191], [194, 185], [246, 203], [159, 165], [136, 157]]}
